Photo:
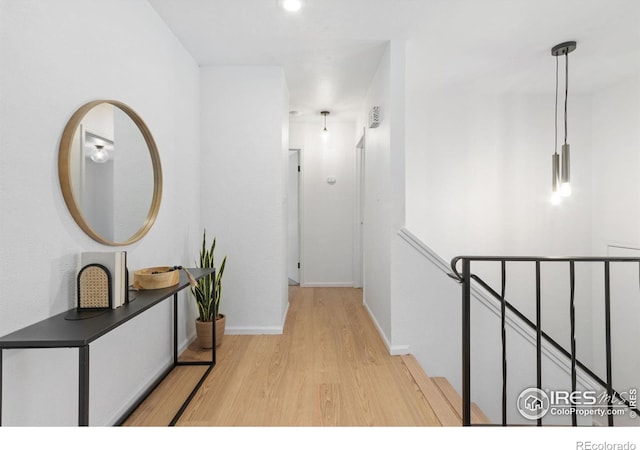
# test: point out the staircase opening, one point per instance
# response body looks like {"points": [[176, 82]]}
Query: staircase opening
{"points": [[597, 393]]}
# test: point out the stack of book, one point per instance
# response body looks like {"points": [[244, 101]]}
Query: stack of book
{"points": [[116, 264]]}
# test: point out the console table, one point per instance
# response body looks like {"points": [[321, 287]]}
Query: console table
{"points": [[58, 332]]}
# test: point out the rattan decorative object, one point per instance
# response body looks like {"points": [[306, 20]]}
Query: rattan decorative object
{"points": [[156, 277], [94, 287]]}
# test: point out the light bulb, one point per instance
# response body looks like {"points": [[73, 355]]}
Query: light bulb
{"points": [[99, 155], [565, 189], [325, 135], [556, 198], [292, 5]]}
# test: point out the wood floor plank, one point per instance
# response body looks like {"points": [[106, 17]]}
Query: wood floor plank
{"points": [[329, 368]]}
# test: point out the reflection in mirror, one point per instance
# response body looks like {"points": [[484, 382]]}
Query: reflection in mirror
{"points": [[109, 165]]}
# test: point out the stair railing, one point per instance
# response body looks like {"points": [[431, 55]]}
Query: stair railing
{"points": [[465, 277]]}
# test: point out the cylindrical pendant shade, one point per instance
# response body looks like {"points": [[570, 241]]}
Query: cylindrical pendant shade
{"points": [[566, 164], [555, 179], [565, 179], [555, 176]]}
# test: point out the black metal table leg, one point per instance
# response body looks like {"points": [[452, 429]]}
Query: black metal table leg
{"points": [[0, 387], [175, 329], [83, 386]]}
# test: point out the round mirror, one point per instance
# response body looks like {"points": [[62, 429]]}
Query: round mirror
{"points": [[110, 172]]}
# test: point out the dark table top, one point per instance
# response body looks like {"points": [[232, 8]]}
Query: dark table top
{"points": [[60, 331]]}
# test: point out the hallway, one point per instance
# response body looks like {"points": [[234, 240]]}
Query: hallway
{"points": [[329, 368]]}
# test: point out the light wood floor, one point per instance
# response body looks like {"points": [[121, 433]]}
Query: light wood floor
{"points": [[329, 368]]}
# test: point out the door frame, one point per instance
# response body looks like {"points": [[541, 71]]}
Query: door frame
{"points": [[300, 216], [358, 225]]}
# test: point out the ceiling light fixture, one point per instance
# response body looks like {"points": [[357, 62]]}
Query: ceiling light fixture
{"points": [[561, 181], [291, 5], [99, 154], [325, 132]]}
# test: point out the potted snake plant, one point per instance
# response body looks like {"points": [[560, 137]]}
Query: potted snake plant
{"points": [[207, 293]]}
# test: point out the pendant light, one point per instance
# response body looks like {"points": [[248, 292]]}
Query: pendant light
{"points": [[561, 183], [99, 154], [325, 132]]}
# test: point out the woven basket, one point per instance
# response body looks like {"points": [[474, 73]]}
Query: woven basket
{"points": [[94, 287], [156, 277]]}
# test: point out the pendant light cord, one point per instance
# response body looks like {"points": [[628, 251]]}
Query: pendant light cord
{"points": [[566, 93], [555, 141]]}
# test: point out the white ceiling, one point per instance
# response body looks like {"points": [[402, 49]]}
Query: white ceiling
{"points": [[330, 49]]}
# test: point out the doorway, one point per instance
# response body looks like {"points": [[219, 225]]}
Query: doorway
{"points": [[358, 247], [293, 245]]}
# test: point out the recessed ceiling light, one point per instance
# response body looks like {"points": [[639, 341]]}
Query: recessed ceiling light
{"points": [[291, 5]]}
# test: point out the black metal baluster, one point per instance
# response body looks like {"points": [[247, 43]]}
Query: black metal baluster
{"points": [[466, 276], [466, 343], [503, 310], [572, 313], [607, 319], [538, 334]]}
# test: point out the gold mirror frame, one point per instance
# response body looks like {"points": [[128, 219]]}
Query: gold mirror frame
{"points": [[64, 172]]}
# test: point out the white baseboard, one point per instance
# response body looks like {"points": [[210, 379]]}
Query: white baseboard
{"points": [[253, 330], [396, 350], [258, 330], [327, 284]]}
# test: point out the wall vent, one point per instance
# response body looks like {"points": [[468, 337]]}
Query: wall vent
{"points": [[374, 117]]}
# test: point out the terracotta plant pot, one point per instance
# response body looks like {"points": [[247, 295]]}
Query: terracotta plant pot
{"points": [[204, 329]]}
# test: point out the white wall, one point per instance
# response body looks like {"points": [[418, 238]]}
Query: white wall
{"points": [[327, 209], [616, 222], [427, 311], [478, 183], [396, 112], [384, 195], [244, 190], [616, 161], [478, 174], [55, 57], [283, 235], [377, 200]]}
